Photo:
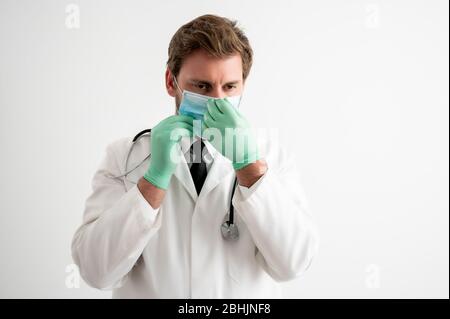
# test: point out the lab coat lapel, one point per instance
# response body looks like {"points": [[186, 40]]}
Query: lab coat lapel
{"points": [[220, 168], [182, 172]]}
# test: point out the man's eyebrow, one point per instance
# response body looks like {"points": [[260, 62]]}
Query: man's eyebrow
{"points": [[232, 82], [195, 81]]}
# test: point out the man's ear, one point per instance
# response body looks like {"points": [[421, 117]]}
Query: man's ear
{"points": [[170, 85]]}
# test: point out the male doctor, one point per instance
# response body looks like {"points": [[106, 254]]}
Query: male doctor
{"points": [[156, 232]]}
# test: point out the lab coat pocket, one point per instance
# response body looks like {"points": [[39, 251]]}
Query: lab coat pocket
{"points": [[232, 262], [240, 254]]}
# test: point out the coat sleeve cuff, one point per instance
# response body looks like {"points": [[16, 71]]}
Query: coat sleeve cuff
{"points": [[148, 213], [246, 192]]}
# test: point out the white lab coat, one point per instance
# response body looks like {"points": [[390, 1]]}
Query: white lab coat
{"points": [[177, 251]]}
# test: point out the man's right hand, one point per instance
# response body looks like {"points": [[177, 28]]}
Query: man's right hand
{"points": [[164, 138]]}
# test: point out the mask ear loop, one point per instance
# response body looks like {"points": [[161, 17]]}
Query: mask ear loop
{"points": [[181, 92], [176, 83], [240, 100]]}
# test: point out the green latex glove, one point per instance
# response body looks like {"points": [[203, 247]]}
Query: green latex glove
{"points": [[241, 149], [164, 138]]}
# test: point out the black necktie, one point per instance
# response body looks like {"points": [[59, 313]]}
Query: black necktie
{"points": [[198, 167]]}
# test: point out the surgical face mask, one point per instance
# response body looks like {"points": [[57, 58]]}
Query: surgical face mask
{"points": [[195, 105]]}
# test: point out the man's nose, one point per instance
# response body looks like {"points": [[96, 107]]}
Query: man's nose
{"points": [[218, 93]]}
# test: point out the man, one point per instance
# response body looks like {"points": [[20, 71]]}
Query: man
{"points": [[156, 232]]}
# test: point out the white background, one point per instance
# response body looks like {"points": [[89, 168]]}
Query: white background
{"points": [[359, 90]]}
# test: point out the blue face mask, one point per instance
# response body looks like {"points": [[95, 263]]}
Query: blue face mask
{"points": [[195, 105]]}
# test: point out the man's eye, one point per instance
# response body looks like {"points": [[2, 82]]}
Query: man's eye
{"points": [[202, 86], [230, 87]]}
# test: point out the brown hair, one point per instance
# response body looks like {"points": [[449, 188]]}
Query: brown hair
{"points": [[219, 36]]}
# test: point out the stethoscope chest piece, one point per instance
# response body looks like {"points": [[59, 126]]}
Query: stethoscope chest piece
{"points": [[229, 231]]}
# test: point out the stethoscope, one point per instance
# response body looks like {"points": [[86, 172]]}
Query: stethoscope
{"points": [[228, 228]]}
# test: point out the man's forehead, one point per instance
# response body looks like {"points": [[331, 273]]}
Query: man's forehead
{"points": [[212, 75], [201, 67]]}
